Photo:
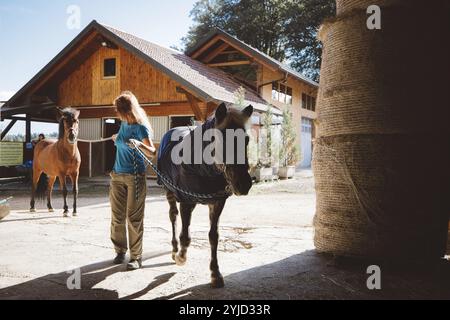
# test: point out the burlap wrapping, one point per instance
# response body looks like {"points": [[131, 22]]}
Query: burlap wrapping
{"points": [[343, 6], [375, 199], [370, 79], [4, 211], [381, 162]]}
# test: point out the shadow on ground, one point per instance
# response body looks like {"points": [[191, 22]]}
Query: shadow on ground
{"points": [[54, 286], [308, 275], [311, 275]]}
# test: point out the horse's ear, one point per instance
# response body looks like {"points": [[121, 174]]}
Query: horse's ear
{"points": [[77, 113], [221, 112], [248, 111], [59, 113]]}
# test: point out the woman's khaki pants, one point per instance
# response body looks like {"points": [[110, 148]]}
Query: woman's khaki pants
{"points": [[125, 206]]}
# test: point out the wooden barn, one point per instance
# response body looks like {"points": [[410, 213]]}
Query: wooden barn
{"points": [[173, 87]]}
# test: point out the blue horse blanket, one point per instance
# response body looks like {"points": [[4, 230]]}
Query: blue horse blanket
{"points": [[196, 178]]}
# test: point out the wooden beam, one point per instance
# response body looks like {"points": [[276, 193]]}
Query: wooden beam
{"points": [[204, 48], [214, 53], [210, 108], [199, 116], [28, 130], [229, 63], [5, 132], [247, 53], [228, 52]]}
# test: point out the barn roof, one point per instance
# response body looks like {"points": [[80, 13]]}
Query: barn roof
{"points": [[253, 51], [205, 82]]}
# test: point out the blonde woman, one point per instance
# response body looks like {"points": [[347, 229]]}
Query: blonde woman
{"points": [[128, 182]]}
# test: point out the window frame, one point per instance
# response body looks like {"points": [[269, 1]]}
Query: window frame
{"points": [[104, 68]]}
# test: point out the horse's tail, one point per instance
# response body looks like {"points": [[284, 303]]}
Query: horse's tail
{"points": [[42, 186]]}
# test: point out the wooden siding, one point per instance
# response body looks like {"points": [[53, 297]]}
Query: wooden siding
{"points": [[76, 90], [86, 86], [105, 90], [146, 82]]}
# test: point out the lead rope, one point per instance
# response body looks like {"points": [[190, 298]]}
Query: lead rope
{"points": [[136, 183], [167, 181]]}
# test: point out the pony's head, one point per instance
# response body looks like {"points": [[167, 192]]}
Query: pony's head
{"points": [[232, 124], [68, 124]]}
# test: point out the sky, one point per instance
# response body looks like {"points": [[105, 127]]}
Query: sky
{"points": [[33, 32]]}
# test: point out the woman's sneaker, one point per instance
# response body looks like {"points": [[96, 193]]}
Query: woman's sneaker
{"points": [[119, 259], [134, 264]]}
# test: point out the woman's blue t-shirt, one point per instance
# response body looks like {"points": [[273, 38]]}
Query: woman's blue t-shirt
{"points": [[126, 156]]}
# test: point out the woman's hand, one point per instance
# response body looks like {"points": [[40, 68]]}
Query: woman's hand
{"points": [[133, 143], [114, 137]]}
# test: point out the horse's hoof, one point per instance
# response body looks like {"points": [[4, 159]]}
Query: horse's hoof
{"points": [[32, 210], [75, 214], [174, 256], [217, 282], [180, 261], [65, 214], [51, 210]]}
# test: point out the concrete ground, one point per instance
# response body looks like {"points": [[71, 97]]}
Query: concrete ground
{"points": [[266, 251]]}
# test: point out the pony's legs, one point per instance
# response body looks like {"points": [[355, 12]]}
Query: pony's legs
{"points": [[74, 179], [215, 211], [34, 183], [173, 213], [51, 183], [185, 238], [62, 182]]}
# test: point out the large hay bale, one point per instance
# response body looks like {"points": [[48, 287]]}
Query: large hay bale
{"points": [[344, 6], [4, 210], [381, 158]]}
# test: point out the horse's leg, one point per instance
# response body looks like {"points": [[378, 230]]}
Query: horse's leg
{"points": [[185, 238], [51, 183], [36, 175], [62, 183], [173, 213], [215, 211], [74, 178]]}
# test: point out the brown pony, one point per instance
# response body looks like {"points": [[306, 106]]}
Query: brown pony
{"points": [[60, 158], [204, 178]]}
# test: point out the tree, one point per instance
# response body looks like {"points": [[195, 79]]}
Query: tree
{"points": [[266, 159], [284, 29], [289, 153]]}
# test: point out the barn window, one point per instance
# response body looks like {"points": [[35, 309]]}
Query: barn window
{"points": [[281, 93], [308, 102], [275, 91], [109, 68]]}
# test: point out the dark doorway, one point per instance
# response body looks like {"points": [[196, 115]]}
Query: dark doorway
{"points": [[110, 127], [183, 121]]}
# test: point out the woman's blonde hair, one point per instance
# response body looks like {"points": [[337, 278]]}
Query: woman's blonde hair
{"points": [[130, 111]]}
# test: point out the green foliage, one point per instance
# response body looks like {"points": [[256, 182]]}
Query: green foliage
{"points": [[286, 30], [266, 159], [289, 154], [239, 97], [34, 136]]}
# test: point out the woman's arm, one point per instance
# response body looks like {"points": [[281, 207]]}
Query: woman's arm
{"points": [[145, 145]]}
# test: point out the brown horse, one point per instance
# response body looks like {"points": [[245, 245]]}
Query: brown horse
{"points": [[58, 159], [204, 179]]}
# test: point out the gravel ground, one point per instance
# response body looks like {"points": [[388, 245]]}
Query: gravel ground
{"points": [[266, 252]]}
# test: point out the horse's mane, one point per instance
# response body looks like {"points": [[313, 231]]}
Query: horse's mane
{"points": [[69, 114]]}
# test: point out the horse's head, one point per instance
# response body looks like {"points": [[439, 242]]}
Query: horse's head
{"points": [[232, 122], [68, 124]]}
